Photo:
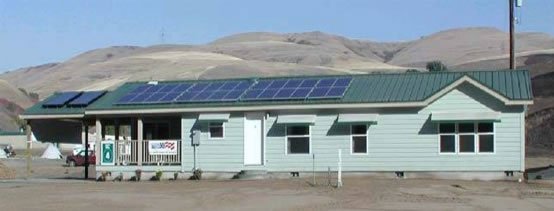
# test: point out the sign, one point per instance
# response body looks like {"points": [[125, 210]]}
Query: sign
{"points": [[107, 153], [162, 147]]}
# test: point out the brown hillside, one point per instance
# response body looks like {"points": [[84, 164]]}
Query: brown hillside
{"points": [[458, 46], [270, 54]]}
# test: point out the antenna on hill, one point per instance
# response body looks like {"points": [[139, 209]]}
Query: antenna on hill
{"points": [[162, 36]]}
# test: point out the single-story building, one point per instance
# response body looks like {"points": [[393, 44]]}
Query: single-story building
{"points": [[407, 122]]}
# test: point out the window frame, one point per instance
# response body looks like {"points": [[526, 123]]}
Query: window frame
{"points": [[352, 135], [493, 133], [448, 134], [458, 134], [309, 136], [475, 134], [210, 132]]}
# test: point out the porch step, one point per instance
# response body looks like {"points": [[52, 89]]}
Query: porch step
{"points": [[251, 174]]}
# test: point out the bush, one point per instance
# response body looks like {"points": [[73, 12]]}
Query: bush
{"points": [[436, 66], [196, 175], [138, 173], [159, 174], [157, 177]]}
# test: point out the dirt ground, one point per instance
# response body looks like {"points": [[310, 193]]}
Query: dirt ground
{"points": [[63, 191], [286, 194]]}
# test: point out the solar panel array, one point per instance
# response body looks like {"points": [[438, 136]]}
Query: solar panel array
{"points": [[235, 90], [287, 89], [186, 92], [73, 99], [61, 99]]}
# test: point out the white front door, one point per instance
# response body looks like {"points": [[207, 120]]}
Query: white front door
{"points": [[253, 138]]}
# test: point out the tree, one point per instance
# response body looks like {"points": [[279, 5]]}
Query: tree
{"points": [[436, 66]]}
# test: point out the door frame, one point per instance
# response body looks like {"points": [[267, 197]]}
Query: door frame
{"points": [[262, 138]]}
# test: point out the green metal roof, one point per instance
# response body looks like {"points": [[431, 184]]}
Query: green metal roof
{"points": [[366, 88]]}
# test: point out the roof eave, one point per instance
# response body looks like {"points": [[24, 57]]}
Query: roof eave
{"points": [[51, 116]]}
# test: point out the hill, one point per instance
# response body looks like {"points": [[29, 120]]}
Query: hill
{"points": [[309, 53], [12, 102]]}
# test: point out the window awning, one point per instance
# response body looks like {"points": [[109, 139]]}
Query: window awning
{"points": [[296, 119], [357, 118], [214, 117], [465, 116]]}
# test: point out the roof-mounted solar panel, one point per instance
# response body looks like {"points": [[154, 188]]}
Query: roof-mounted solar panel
{"points": [[61, 99], [235, 90], [86, 98], [298, 89]]}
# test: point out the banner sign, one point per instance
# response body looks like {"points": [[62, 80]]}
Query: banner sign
{"points": [[107, 152], [162, 147]]}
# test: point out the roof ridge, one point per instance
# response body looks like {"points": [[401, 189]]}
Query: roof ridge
{"points": [[324, 76]]}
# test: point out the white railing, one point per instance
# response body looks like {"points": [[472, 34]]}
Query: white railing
{"points": [[127, 152], [151, 158]]}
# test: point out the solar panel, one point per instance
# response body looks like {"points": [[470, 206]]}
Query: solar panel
{"points": [[300, 93], [86, 98], [61, 99], [218, 95], [230, 85], [336, 92], [293, 83], [298, 89], [141, 88], [326, 82], [126, 99], [233, 95], [199, 87], [284, 93], [330, 88]]}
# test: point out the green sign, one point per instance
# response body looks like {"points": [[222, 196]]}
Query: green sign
{"points": [[107, 153]]}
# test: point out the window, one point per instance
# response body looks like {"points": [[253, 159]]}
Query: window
{"points": [[216, 130], [298, 139], [447, 137], [486, 137], [358, 139], [466, 137]]}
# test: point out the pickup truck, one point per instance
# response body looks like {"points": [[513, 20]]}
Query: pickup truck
{"points": [[79, 159]]}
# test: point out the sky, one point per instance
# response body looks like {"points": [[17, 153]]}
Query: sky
{"points": [[43, 31]]}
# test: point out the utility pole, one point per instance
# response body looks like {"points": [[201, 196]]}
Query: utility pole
{"points": [[512, 40], [86, 149]]}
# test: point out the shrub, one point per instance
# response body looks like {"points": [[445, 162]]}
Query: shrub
{"points": [[138, 173], [196, 174], [436, 66], [157, 176]]}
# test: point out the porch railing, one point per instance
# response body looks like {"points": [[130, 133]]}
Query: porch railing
{"points": [[127, 152], [150, 158]]}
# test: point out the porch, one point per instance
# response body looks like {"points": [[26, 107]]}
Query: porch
{"points": [[139, 141]]}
